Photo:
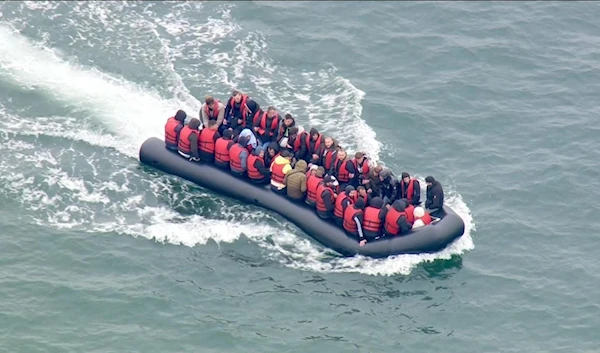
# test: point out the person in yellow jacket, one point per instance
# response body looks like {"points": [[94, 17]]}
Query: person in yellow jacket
{"points": [[279, 168]]}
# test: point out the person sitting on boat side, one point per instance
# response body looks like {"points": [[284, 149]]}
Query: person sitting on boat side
{"points": [[188, 140], [410, 189], [312, 184], [272, 153], [374, 184], [212, 110], [208, 137], [257, 171], [284, 130], [395, 220], [360, 163], [222, 146], [409, 210], [252, 142], [295, 182], [173, 129], [389, 186], [279, 168], [240, 112], [342, 201], [326, 198], [353, 221], [266, 126], [238, 157], [313, 147], [342, 168], [422, 218], [435, 195], [373, 219], [295, 142], [329, 154]]}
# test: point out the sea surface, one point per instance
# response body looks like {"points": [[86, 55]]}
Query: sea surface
{"points": [[499, 101]]}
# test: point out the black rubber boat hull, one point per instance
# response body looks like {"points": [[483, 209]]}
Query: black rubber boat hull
{"points": [[431, 238]]}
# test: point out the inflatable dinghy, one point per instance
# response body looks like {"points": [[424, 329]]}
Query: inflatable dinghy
{"points": [[427, 239]]}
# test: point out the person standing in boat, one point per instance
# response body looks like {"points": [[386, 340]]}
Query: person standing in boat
{"points": [[212, 110], [389, 186], [207, 139], [257, 171], [173, 129], [353, 221], [410, 189], [266, 126], [435, 195], [326, 198], [240, 111], [188, 140], [238, 157]]}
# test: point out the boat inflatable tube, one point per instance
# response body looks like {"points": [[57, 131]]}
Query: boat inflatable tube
{"points": [[427, 239]]}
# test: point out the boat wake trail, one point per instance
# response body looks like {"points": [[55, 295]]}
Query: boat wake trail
{"points": [[96, 118]]}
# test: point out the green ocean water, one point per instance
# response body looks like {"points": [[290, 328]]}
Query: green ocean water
{"points": [[499, 101]]}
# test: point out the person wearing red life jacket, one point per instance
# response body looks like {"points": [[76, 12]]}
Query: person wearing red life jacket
{"points": [[409, 210], [410, 189], [266, 126], [326, 198], [213, 110], [271, 154], [240, 111], [222, 146], [312, 184], [343, 169], [329, 154], [422, 218], [284, 130], [313, 146], [207, 139], [361, 166], [238, 157], [395, 220], [353, 221], [361, 193], [257, 171], [295, 142], [173, 128], [373, 219], [343, 200], [188, 140]]}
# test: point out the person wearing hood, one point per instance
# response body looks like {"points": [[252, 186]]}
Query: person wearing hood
{"points": [[188, 140], [343, 200], [238, 157], [279, 168], [272, 153], [326, 198], [252, 142], [329, 154], [222, 146], [207, 139], [240, 112], [295, 182], [374, 184], [389, 186], [409, 210], [395, 220], [173, 128], [257, 172], [312, 184], [422, 218], [410, 189], [353, 221], [435, 195], [212, 110], [313, 148], [373, 219]]}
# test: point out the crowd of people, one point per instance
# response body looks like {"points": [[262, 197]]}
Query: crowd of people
{"points": [[367, 200]]}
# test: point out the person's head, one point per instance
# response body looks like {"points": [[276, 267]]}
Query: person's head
{"points": [[243, 140], [294, 131], [399, 205], [272, 149], [320, 172], [359, 156], [210, 102], [180, 115], [289, 120], [271, 112], [227, 134], [341, 155], [359, 204], [194, 124], [212, 124], [314, 134], [429, 180], [406, 203], [405, 177], [377, 170], [419, 212], [328, 180], [237, 96], [301, 165], [384, 174], [376, 202], [361, 190], [286, 154], [328, 142], [313, 169]]}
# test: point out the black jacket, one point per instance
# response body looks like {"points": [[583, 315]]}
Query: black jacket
{"points": [[233, 113], [435, 196], [416, 196], [389, 188]]}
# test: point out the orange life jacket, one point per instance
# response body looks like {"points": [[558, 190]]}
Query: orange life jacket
{"points": [[320, 202], [363, 169], [314, 150], [338, 211], [410, 216], [426, 218], [342, 174], [234, 157], [184, 139], [253, 172], [391, 221], [298, 141], [312, 184], [262, 126], [328, 155], [371, 221], [349, 224], [171, 133], [214, 113], [243, 108], [277, 174], [207, 140], [222, 150]]}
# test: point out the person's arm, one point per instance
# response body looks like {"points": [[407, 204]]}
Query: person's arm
{"points": [[194, 146], [229, 145], [303, 185], [253, 107], [221, 115], [216, 137], [382, 213], [303, 148], [394, 192], [416, 197], [358, 220], [244, 159], [403, 224], [350, 168], [228, 112], [203, 116], [328, 201], [178, 130], [345, 204], [429, 199], [260, 166], [275, 137]]}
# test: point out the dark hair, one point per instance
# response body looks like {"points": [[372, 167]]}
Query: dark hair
{"points": [[360, 188], [313, 132], [271, 108], [285, 153], [360, 203], [209, 100], [359, 155], [212, 123], [289, 116], [293, 130], [235, 92], [227, 134], [194, 123], [429, 179], [180, 115]]}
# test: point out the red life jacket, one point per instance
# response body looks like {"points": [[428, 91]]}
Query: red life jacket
{"points": [[328, 155], [391, 221], [207, 140], [253, 172], [214, 113], [349, 224], [243, 107], [410, 216], [317, 144], [273, 159], [234, 157], [320, 202], [277, 174], [342, 174], [362, 169], [426, 218], [371, 221], [410, 191], [338, 211], [262, 126], [184, 139], [171, 134], [312, 184], [222, 150]]}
